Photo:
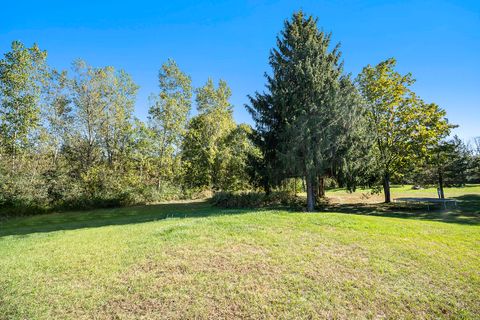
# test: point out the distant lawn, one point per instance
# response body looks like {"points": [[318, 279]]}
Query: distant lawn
{"points": [[365, 195], [364, 202], [189, 260]]}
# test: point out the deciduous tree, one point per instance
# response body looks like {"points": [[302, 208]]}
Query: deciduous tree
{"points": [[404, 126], [206, 131], [21, 76], [169, 115]]}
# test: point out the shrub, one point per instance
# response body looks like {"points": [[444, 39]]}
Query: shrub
{"points": [[196, 193], [256, 200]]}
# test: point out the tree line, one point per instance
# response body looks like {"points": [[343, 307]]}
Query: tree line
{"points": [[70, 139]]}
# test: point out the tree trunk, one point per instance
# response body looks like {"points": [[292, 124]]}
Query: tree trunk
{"points": [[310, 194], [386, 187], [267, 189], [295, 186], [321, 187], [440, 185], [160, 165], [14, 151]]}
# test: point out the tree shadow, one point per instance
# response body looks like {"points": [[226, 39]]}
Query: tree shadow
{"points": [[62, 221], [466, 212], [469, 203]]}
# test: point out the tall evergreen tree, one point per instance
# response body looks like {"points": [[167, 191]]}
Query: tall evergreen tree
{"points": [[266, 172], [305, 109], [352, 160], [457, 162]]}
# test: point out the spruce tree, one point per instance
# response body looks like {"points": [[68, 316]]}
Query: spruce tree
{"points": [[300, 121]]}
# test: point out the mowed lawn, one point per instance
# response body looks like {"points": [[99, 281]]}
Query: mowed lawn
{"points": [[189, 260]]}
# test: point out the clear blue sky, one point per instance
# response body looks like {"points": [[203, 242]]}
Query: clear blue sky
{"points": [[438, 41]]}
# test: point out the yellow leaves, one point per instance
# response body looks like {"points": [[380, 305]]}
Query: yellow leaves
{"points": [[404, 124]]}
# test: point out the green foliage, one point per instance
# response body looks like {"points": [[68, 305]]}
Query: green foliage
{"points": [[215, 151], [353, 160], [168, 119], [453, 159], [21, 76], [310, 120], [70, 140], [474, 169], [449, 163], [198, 155], [237, 150], [404, 126], [103, 101]]}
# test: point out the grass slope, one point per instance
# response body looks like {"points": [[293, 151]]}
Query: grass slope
{"points": [[189, 260]]}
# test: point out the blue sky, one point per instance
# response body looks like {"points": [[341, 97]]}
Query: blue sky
{"points": [[438, 41]]}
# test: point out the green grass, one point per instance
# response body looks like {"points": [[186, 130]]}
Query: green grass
{"points": [[407, 191], [189, 260]]}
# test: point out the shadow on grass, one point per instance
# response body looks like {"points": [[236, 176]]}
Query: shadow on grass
{"points": [[110, 217], [466, 212]]}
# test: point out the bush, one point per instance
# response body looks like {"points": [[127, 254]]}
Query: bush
{"points": [[196, 193], [256, 200], [238, 199]]}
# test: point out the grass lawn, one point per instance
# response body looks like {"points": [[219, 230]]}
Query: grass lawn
{"points": [[189, 260]]}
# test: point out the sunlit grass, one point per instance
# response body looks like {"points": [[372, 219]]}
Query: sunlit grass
{"points": [[407, 190], [189, 260]]}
